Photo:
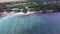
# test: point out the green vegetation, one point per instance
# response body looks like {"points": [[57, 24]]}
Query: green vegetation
{"points": [[3, 7], [48, 6]]}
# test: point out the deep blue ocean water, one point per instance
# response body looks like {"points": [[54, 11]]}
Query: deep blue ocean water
{"points": [[46, 23]]}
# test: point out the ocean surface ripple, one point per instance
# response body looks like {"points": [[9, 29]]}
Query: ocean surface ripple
{"points": [[47, 23]]}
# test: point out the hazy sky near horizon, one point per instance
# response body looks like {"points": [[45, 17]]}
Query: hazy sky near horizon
{"points": [[10, 0]]}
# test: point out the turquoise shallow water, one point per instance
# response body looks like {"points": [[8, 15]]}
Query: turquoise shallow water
{"points": [[47, 23]]}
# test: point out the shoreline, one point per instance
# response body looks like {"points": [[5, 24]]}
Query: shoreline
{"points": [[26, 14], [2, 14]]}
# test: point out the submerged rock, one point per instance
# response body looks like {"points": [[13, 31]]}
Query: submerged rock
{"points": [[30, 24]]}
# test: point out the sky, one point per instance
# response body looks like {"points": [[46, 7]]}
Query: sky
{"points": [[10, 0]]}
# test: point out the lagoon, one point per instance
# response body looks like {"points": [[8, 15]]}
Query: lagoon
{"points": [[46, 23]]}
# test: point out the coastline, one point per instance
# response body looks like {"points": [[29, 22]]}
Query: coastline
{"points": [[3, 14]]}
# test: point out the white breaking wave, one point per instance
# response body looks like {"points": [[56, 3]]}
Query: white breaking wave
{"points": [[21, 13]]}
